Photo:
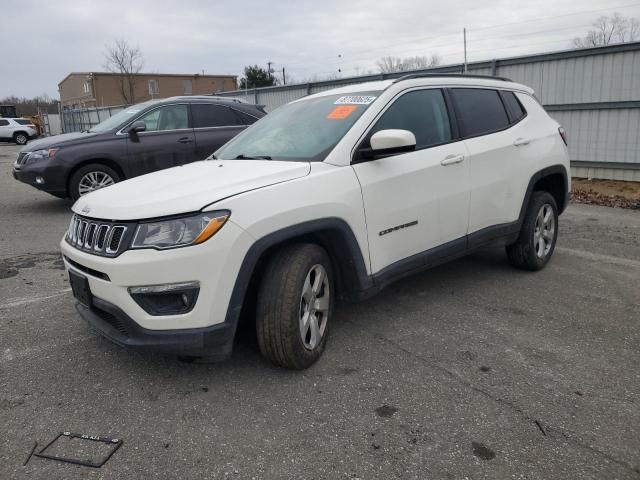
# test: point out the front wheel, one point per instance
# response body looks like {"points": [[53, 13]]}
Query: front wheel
{"points": [[91, 177], [538, 234], [295, 302]]}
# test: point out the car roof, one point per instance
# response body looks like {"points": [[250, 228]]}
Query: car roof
{"points": [[200, 98], [458, 80]]}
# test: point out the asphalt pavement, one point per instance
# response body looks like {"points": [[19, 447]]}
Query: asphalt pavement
{"points": [[470, 370]]}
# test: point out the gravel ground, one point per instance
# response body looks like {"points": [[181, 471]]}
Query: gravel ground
{"points": [[470, 370]]}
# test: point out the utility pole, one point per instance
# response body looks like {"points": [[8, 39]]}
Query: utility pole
{"points": [[284, 79], [269, 69], [464, 35]]}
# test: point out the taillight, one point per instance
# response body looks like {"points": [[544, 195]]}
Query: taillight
{"points": [[563, 134]]}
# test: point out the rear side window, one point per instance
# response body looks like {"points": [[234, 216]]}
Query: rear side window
{"points": [[480, 111], [422, 112], [514, 107], [4, 123], [22, 121], [208, 115]]}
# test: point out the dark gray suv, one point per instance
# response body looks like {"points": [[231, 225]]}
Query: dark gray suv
{"points": [[140, 139]]}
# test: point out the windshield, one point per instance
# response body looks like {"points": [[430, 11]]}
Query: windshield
{"points": [[301, 131], [120, 117]]}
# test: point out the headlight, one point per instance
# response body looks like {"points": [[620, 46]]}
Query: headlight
{"points": [[179, 232], [39, 155]]}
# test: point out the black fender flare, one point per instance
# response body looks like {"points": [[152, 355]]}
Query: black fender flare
{"points": [[349, 258]]}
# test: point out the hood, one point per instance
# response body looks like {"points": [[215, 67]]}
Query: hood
{"points": [[185, 189], [57, 140]]}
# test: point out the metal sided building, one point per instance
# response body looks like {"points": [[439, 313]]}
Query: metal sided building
{"points": [[594, 93]]}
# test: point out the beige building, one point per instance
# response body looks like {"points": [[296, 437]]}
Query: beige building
{"points": [[101, 89]]}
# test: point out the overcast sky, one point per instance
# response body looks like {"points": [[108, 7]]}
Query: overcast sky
{"points": [[45, 40]]}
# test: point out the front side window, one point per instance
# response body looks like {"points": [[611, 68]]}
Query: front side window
{"points": [[480, 111], [306, 130], [170, 117], [207, 115], [422, 112]]}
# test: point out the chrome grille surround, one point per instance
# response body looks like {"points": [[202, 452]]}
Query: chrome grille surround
{"points": [[99, 237]]}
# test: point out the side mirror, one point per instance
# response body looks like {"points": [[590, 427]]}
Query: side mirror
{"points": [[386, 143], [390, 142], [137, 126]]}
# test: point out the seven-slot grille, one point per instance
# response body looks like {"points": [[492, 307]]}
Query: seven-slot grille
{"points": [[97, 237]]}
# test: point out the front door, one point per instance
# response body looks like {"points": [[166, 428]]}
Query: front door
{"points": [[419, 200], [168, 141]]}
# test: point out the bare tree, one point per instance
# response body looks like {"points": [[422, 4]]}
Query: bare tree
{"points": [[392, 64], [126, 61], [607, 30]]}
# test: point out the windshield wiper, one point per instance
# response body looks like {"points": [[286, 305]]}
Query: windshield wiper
{"points": [[253, 157]]}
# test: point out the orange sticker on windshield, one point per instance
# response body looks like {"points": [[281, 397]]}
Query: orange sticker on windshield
{"points": [[341, 111]]}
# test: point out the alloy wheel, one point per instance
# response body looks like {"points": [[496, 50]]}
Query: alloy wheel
{"points": [[94, 181], [314, 306], [544, 232]]}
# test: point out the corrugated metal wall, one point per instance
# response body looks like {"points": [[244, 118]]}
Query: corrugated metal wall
{"points": [[594, 93]]}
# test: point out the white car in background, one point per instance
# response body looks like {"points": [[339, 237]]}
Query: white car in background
{"points": [[332, 196], [18, 130]]}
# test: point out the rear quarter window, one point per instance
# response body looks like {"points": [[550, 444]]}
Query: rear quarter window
{"points": [[4, 123], [514, 107], [22, 121], [479, 111]]}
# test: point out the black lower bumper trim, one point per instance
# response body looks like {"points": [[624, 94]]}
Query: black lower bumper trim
{"points": [[111, 322]]}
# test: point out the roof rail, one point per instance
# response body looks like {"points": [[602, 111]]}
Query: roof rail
{"points": [[210, 97], [455, 75]]}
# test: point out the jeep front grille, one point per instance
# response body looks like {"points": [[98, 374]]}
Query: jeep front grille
{"points": [[99, 237]]}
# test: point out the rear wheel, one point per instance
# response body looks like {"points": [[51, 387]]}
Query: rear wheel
{"points": [[90, 178], [538, 234], [20, 138], [295, 302]]}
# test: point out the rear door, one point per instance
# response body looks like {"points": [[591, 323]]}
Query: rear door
{"points": [[493, 155], [168, 140], [214, 125], [419, 200]]}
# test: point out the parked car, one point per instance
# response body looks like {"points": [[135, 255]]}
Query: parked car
{"points": [[140, 139], [18, 130], [332, 196]]}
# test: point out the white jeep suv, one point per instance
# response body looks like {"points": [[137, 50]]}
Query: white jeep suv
{"points": [[332, 196]]}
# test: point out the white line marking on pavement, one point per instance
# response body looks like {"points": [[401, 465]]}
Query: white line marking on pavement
{"points": [[25, 301]]}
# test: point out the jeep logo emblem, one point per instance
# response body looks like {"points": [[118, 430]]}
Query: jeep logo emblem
{"points": [[85, 209]]}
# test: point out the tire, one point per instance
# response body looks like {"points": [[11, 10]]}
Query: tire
{"points": [[285, 307], [81, 181], [20, 138], [537, 239]]}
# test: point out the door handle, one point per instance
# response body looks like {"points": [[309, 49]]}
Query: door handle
{"points": [[521, 141], [451, 160], [185, 140]]}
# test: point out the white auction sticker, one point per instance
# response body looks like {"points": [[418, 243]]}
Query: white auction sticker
{"points": [[355, 100]]}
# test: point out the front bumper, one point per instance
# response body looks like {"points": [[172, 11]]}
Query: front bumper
{"points": [[54, 176], [112, 323], [205, 328]]}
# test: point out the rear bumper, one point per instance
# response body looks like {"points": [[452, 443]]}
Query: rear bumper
{"points": [[112, 323]]}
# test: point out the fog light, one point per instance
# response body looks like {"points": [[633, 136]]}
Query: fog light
{"points": [[40, 180], [166, 299]]}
